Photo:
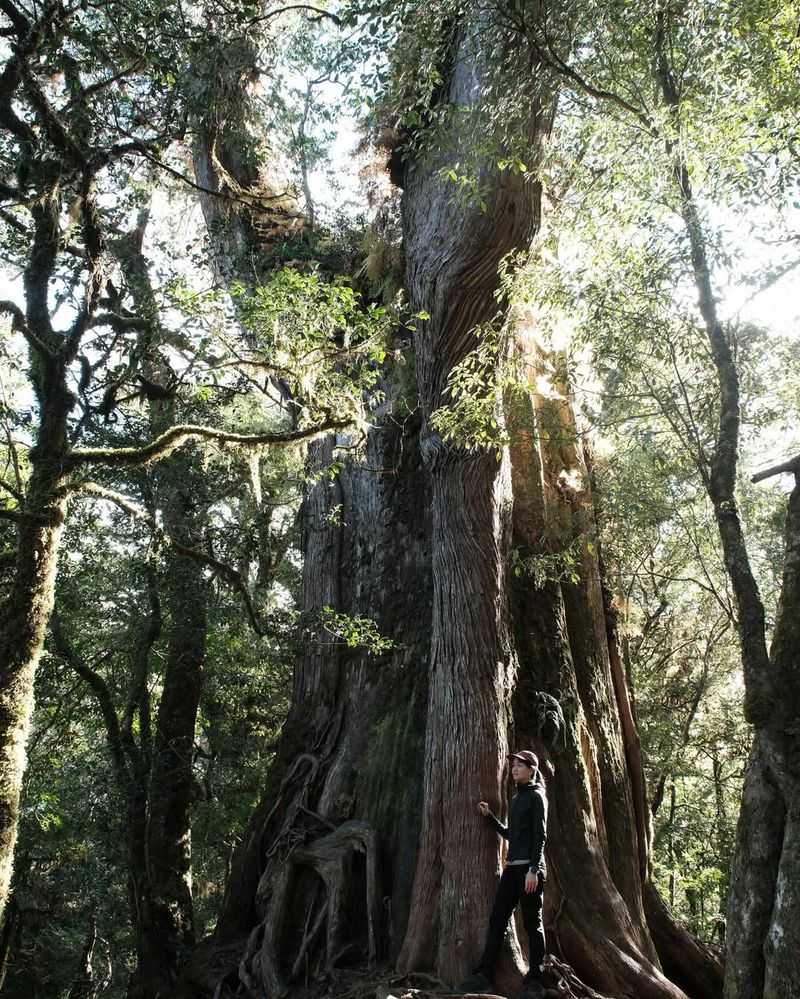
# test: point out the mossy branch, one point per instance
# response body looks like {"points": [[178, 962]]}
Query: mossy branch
{"points": [[19, 323], [183, 433], [102, 694]]}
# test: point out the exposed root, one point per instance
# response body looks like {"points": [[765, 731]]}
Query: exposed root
{"points": [[330, 857], [560, 980]]}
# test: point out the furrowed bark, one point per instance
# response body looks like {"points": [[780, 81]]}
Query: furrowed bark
{"points": [[782, 740], [453, 255], [343, 734], [594, 915]]}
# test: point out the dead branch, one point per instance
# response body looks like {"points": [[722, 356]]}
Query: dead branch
{"points": [[792, 465]]}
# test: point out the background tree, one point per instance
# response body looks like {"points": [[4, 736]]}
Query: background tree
{"points": [[68, 144], [670, 106]]}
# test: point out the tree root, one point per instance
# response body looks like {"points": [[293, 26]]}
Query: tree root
{"points": [[331, 858], [560, 982], [686, 960]]}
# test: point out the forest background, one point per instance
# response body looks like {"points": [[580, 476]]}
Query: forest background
{"points": [[209, 308]]}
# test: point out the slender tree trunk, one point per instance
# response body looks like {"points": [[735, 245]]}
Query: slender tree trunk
{"points": [[763, 919], [130, 759], [764, 910], [26, 612], [160, 848], [83, 986], [9, 936], [723, 844], [166, 930]]}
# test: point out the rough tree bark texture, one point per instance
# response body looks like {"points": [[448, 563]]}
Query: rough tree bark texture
{"points": [[342, 724], [417, 538], [763, 931], [594, 902], [352, 744], [453, 253], [23, 623]]}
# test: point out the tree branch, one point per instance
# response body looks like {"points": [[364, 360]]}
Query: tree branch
{"points": [[42, 261], [51, 123], [102, 694], [21, 517], [11, 220], [253, 201], [166, 443], [12, 489], [18, 323], [120, 323], [298, 6], [93, 242], [545, 51], [94, 88], [792, 465], [138, 694], [18, 19], [232, 576]]}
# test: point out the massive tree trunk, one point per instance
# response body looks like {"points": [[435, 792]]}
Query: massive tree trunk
{"points": [[453, 255], [417, 538], [597, 837], [352, 744]]}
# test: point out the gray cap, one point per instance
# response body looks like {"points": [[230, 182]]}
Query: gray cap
{"points": [[525, 756]]}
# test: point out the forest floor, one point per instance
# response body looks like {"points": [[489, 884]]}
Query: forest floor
{"points": [[560, 982]]}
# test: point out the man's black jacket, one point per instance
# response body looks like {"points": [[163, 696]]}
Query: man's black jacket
{"points": [[526, 831]]}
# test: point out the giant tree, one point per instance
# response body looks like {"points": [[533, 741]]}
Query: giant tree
{"points": [[416, 535]]}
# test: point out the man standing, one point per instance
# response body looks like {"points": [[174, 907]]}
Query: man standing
{"points": [[523, 877]]}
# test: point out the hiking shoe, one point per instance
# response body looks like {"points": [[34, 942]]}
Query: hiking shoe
{"points": [[476, 983]]}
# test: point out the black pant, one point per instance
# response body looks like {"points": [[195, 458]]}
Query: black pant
{"points": [[510, 891]]}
